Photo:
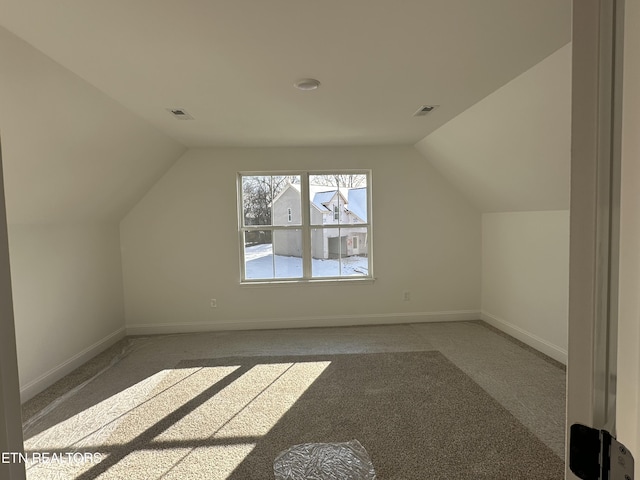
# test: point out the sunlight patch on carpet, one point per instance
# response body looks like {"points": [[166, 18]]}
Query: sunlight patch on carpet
{"points": [[251, 405], [232, 420], [263, 412], [87, 422], [141, 405]]}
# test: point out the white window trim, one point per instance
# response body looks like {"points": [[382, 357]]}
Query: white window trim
{"points": [[306, 228]]}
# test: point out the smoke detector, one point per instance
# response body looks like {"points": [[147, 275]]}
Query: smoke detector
{"points": [[179, 113], [424, 109], [307, 84]]}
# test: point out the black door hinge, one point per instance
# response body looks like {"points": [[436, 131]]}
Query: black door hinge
{"points": [[597, 455]]}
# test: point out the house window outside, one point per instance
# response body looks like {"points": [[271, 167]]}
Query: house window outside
{"points": [[305, 226]]}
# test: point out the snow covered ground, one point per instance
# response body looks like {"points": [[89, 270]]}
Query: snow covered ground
{"points": [[260, 263]]}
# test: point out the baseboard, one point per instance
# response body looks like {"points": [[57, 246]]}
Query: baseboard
{"points": [[530, 339], [304, 322], [32, 388]]}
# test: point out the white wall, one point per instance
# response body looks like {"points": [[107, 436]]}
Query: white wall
{"points": [[180, 246], [510, 155], [75, 162], [525, 277], [10, 421], [67, 291]]}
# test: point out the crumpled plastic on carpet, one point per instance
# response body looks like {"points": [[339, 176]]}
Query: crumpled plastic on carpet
{"points": [[324, 461]]}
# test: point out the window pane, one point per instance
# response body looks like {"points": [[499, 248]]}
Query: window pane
{"points": [[323, 262], [287, 246], [355, 261], [356, 208], [258, 254], [287, 202], [323, 199], [338, 199], [335, 253], [256, 200], [265, 199]]}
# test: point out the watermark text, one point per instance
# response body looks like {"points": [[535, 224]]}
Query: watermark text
{"points": [[51, 457]]}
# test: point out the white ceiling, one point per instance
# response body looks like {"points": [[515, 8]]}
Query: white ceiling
{"points": [[231, 63]]}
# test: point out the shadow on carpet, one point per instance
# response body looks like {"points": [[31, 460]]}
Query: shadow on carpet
{"points": [[417, 414]]}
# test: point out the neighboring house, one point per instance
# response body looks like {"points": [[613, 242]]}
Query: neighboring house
{"points": [[329, 206]]}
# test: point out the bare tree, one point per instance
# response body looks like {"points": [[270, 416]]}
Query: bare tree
{"points": [[258, 193], [339, 180]]}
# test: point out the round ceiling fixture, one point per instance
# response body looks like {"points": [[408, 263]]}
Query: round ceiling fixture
{"points": [[307, 84]]}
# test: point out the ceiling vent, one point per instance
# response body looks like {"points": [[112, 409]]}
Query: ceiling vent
{"points": [[424, 109], [180, 113]]}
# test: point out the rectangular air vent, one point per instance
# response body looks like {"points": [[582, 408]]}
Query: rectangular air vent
{"points": [[424, 109], [179, 113]]}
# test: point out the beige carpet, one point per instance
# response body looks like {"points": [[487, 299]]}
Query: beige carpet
{"points": [[417, 415]]}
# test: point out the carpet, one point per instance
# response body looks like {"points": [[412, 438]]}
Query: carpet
{"points": [[417, 415]]}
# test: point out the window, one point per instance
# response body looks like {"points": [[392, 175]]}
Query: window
{"points": [[303, 226]]}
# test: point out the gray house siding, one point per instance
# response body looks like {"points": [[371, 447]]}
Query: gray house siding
{"points": [[287, 242], [290, 199]]}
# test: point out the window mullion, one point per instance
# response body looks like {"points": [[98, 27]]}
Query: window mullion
{"points": [[273, 236], [306, 229]]}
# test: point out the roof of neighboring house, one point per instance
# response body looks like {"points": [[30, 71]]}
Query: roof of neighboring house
{"points": [[320, 199], [355, 198], [321, 194], [357, 202]]}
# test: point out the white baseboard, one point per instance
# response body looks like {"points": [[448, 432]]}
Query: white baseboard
{"points": [[530, 339], [47, 379], [304, 322]]}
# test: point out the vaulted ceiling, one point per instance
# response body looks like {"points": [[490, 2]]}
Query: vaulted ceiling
{"points": [[70, 153], [85, 86], [232, 63], [511, 151]]}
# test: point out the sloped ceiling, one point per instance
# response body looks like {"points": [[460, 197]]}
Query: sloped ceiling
{"points": [[70, 153], [231, 63], [511, 150], [84, 88]]}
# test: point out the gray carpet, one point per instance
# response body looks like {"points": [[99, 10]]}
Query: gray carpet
{"points": [[417, 415]]}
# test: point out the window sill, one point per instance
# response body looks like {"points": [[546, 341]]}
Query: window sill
{"points": [[309, 281]]}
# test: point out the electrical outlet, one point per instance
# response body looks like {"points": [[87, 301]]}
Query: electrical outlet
{"points": [[214, 303], [406, 296]]}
